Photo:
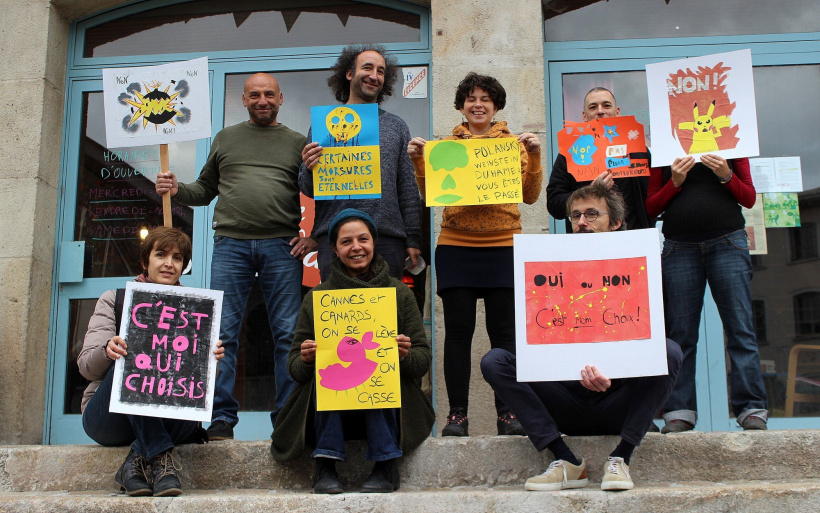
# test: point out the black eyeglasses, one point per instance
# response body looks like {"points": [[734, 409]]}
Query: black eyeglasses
{"points": [[590, 214]]}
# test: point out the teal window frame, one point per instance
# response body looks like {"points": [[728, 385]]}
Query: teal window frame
{"points": [[633, 55], [85, 75]]}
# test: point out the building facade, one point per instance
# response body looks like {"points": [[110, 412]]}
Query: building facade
{"points": [[66, 238]]}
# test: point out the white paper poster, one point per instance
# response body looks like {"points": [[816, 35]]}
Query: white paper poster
{"points": [[702, 105], [170, 368], [779, 174], [589, 299], [415, 82], [157, 104]]}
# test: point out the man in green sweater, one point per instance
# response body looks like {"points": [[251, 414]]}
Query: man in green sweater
{"points": [[253, 167]]}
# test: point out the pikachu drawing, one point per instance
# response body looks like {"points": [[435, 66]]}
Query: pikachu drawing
{"points": [[705, 130]]}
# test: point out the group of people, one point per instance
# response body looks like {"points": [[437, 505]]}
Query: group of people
{"points": [[257, 169]]}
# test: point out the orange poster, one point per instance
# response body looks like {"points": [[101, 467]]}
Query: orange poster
{"points": [[587, 301], [592, 147]]}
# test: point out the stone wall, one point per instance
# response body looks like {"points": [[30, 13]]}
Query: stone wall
{"points": [[504, 40]]}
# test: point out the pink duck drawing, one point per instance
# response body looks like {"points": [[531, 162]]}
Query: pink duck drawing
{"points": [[337, 376]]}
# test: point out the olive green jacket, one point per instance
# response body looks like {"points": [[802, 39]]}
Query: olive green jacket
{"points": [[294, 424]]}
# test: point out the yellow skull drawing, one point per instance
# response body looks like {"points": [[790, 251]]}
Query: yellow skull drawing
{"points": [[343, 124]]}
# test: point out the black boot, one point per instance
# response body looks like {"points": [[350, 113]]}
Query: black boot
{"points": [[384, 478], [164, 468], [325, 478], [132, 476]]}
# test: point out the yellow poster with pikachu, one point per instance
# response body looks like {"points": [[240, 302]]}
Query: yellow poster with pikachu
{"points": [[357, 356], [472, 172]]}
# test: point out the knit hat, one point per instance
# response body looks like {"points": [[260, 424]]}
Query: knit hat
{"points": [[349, 213]]}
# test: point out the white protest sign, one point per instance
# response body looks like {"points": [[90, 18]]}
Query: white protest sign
{"points": [[170, 369], [589, 299], [157, 104], [702, 105]]}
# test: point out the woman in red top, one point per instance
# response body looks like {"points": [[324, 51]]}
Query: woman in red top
{"points": [[706, 242]]}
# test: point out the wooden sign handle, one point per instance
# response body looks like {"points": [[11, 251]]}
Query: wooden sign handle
{"points": [[167, 219]]}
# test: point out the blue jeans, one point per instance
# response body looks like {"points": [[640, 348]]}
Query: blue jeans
{"points": [[379, 428], [235, 264], [548, 408], [149, 436], [725, 264]]}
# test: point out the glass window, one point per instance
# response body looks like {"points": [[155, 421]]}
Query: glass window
{"points": [[214, 25], [255, 383], [803, 242], [807, 314], [638, 19], [116, 202], [80, 311], [759, 317], [791, 265]]}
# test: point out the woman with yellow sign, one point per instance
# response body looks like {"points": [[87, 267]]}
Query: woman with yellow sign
{"points": [[389, 432], [474, 255]]}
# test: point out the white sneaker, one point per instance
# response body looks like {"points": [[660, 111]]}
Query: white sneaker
{"points": [[616, 475], [559, 476]]}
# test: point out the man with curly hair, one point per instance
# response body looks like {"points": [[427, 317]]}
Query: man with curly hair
{"points": [[365, 74]]}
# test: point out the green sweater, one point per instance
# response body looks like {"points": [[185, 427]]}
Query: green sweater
{"points": [[294, 425], [254, 170]]}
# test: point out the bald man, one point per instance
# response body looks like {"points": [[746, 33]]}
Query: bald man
{"points": [[253, 168]]}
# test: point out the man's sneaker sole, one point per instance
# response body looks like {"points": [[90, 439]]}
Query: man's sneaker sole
{"points": [[555, 487], [617, 485]]}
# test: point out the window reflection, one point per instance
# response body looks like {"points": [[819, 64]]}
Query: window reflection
{"points": [[249, 24], [255, 382], [786, 283], [637, 19], [116, 201]]}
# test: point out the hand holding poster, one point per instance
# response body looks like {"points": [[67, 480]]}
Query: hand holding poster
{"points": [[357, 358], [473, 172], [702, 105], [592, 147], [170, 367], [157, 104], [589, 299], [349, 166]]}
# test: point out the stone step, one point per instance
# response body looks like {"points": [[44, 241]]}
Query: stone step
{"points": [[439, 463], [737, 497]]}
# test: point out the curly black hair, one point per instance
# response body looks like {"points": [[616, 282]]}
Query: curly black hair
{"points": [[339, 83], [496, 91]]}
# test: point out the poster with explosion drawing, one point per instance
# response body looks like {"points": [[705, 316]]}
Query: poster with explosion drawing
{"points": [[357, 356], [702, 105], [349, 166], [589, 299], [157, 104], [592, 147]]}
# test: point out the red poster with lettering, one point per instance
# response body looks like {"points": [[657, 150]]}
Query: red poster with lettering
{"points": [[587, 301], [592, 147]]}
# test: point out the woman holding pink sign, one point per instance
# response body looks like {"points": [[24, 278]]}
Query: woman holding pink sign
{"points": [[389, 432], [474, 255], [150, 467]]}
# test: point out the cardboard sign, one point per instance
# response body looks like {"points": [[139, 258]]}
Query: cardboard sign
{"points": [[157, 104], [473, 172], [357, 357], [349, 166], [702, 105], [170, 368], [592, 147], [589, 299]]}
